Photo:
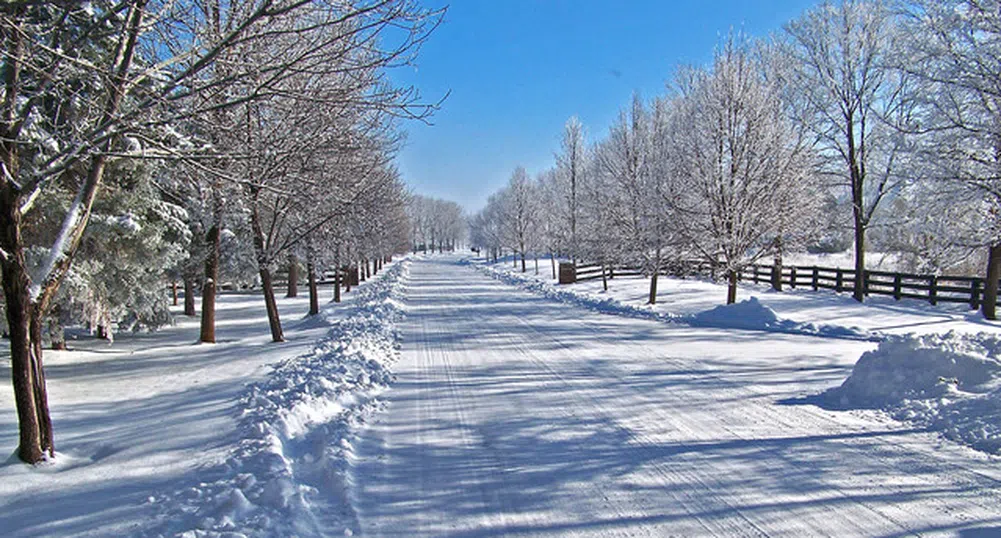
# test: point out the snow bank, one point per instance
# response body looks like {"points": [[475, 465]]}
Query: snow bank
{"points": [[749, 314], [289, 473], [949, 383]]}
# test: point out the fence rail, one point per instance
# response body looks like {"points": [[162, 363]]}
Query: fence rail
{"points": [[932, 288]]}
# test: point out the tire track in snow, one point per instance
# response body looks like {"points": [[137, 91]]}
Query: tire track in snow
{"points": [[709, 452], [891, 513]]}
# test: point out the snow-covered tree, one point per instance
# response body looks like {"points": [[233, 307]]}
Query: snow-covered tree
{"points": [[955, 55], [840, 74], [740, 164]]}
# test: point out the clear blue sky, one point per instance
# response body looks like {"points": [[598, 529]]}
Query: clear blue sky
{"points": [[517, 69]]}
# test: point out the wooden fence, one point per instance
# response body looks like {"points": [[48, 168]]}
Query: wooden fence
{"points": [[932, 288]]}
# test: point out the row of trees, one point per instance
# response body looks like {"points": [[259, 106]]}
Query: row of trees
{"points": [[876, 116], [197, 141], [435, 224]]}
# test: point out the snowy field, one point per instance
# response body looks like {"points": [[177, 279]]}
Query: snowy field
{"points": [[159, 435], [446, 399], [687, 297]]}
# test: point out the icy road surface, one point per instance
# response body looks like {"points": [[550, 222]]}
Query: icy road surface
{"points": [[514, 415]]}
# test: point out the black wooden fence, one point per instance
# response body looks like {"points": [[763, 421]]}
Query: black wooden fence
{"points": [[932, 288]]}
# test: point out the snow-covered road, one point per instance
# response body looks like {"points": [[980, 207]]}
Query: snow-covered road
{"points": [[516, 415]]}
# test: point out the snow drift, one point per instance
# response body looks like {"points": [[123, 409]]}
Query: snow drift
{"points": [[949, 383], [752, 315], [290, 472]]}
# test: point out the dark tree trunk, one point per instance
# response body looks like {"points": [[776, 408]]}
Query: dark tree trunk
{"points": [[777, 271], [102, 332], [859, 292], [189, 297], [523, 260], [293, 277], [209, 286], [360, 267], [338, 270], [604, 278], [731, 289], [40, 391], [267, 286], [989, 304], [314, 297], [274, 322], [653, 289], [173, 291], [552, 258], [16, 295]]}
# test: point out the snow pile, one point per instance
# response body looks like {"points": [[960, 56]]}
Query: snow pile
{"points": [[289, 474], [749, 314], [949, 383]]}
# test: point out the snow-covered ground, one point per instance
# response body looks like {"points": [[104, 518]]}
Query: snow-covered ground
{"points": [[156, 434], [690, 297], [447, 400], [940, 369], [516, 414]]}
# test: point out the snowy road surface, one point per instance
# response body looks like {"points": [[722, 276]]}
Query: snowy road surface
{"points": [[513, 415]]}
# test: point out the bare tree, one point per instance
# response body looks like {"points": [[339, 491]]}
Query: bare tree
{"points": [[954, 52], [740, 161], [840, 74]]}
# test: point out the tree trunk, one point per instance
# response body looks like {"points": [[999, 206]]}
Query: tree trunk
{"points": [[337, 274], [523, 260], [361, 271], [731, 289], [293, 277], [274, 322], [653, 289], [40, 391], [777, 271], [552, 258], [173, 291], [209, 286], [267, 287], [604, 279], [189, 297], [314, 297], [16, 294], [102, 332], [989, 304], [536, 264], [859, 292]]}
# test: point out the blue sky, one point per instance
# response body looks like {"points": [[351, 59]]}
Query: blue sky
{"points": [[517, 69]]}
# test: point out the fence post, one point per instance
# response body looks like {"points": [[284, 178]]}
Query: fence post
{"points": [[816, 278], [975, 294], [792, 277], [896, 287], [933, 289], [839, 280]]}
